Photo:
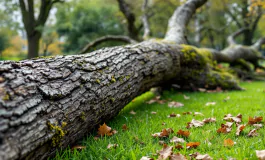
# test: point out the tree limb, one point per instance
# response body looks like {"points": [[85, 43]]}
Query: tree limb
{"points": [[104, 39], [259, 42], [232, 15], [145, 20], [231, 37], [179, 20]]}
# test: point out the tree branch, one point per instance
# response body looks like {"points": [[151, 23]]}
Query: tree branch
{"points": [[231, 37], [104, 39], [180, 19], [45, 8], [232, 15], [145, 20], [259, 42], [130, 17]]}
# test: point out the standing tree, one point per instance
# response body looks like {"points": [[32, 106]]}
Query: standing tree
{"points": [[34, 26]]}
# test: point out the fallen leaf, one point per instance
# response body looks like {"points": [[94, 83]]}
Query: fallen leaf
{"points": [[230, 118], [178, 146], [79, 148], [165, 152], [153, 112], [185, 113], [254, 120], [209, 120], [175, 104], [260, 154], [226, 99], [161, 142], [228, 142], [253, 133], [229, 124], [210, 103], [202, 89], [112, 146], [183, 133], [146, 158], [186, 97], [172, 115], [124, 127], [164, 133], [224, 129], [105, 130], [239, 129], [177, 156], [132, 112], [192, 145], [156, 100], [258, 126], [204, 157], [194, 123], [194, 155], [198, 114], [177, 140]]}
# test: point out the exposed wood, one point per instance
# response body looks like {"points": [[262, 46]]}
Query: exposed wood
{"points": [[100, 40]]}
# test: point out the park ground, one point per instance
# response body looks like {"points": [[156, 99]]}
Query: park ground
{"points": [[137, 141]]}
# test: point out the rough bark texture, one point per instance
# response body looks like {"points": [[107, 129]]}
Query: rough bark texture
{"points": [[46, 103]]}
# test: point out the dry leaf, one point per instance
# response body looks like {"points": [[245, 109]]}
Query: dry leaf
{"points": [[254, 120], [258, 126], [209, 120], [156, 100], [194, 155], [204, 157], [105, 130], [172, 115], [164, 133], [165, 152], [132, 112], [230, 118], [112, 146], [239, 129], [175, 104], [198, 114], [177, 140], [79, 148], [224, 129], [177, 156], [228, 142], [210, 103], [194, 123], [192, 145], [178, 146], [202, 89], [253, 133], [186, 97], [146, 158], [260, 154], [124, 127], [183, 133], [184, 113], [229, 124], [153, 112], [161, 142], [226, 99]]}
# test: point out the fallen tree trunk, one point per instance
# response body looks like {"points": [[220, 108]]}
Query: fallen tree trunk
{"points": [[50, 103]]}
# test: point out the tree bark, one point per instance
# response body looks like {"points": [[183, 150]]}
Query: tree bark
{"points": [[33, 45]]}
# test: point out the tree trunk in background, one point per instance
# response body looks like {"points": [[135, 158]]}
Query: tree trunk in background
{"points": [[33, 45]]}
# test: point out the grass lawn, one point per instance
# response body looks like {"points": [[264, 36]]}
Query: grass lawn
{"points": [[137, 141]]}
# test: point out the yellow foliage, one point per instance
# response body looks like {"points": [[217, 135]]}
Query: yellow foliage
{"points": [[16, 47]]}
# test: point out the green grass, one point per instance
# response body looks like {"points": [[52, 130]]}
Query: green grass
{"points": [[249, 103]]}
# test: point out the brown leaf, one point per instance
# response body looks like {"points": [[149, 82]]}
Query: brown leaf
{"points": [[204, 157], [177, 140], [202, 89], [239, 129], [153, 112], [224, 129], [194, 123], [185, 113], [228, 142], [229, 124], [104, 130], [132, 112], [177, 156], [258, 126], [183, 133], [79, 148], [254, 120], [124, 127], [253, 133], [192, 145], [146, 158], [194, 155], [209, 120], [156, 100], [186, 97], [178, 146], [165, 152], [161, 142], [198, 114], [164, 133], [172, 115], [260, 154], [210, 103], [230, 118], [175, 104], [112, 146]]}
